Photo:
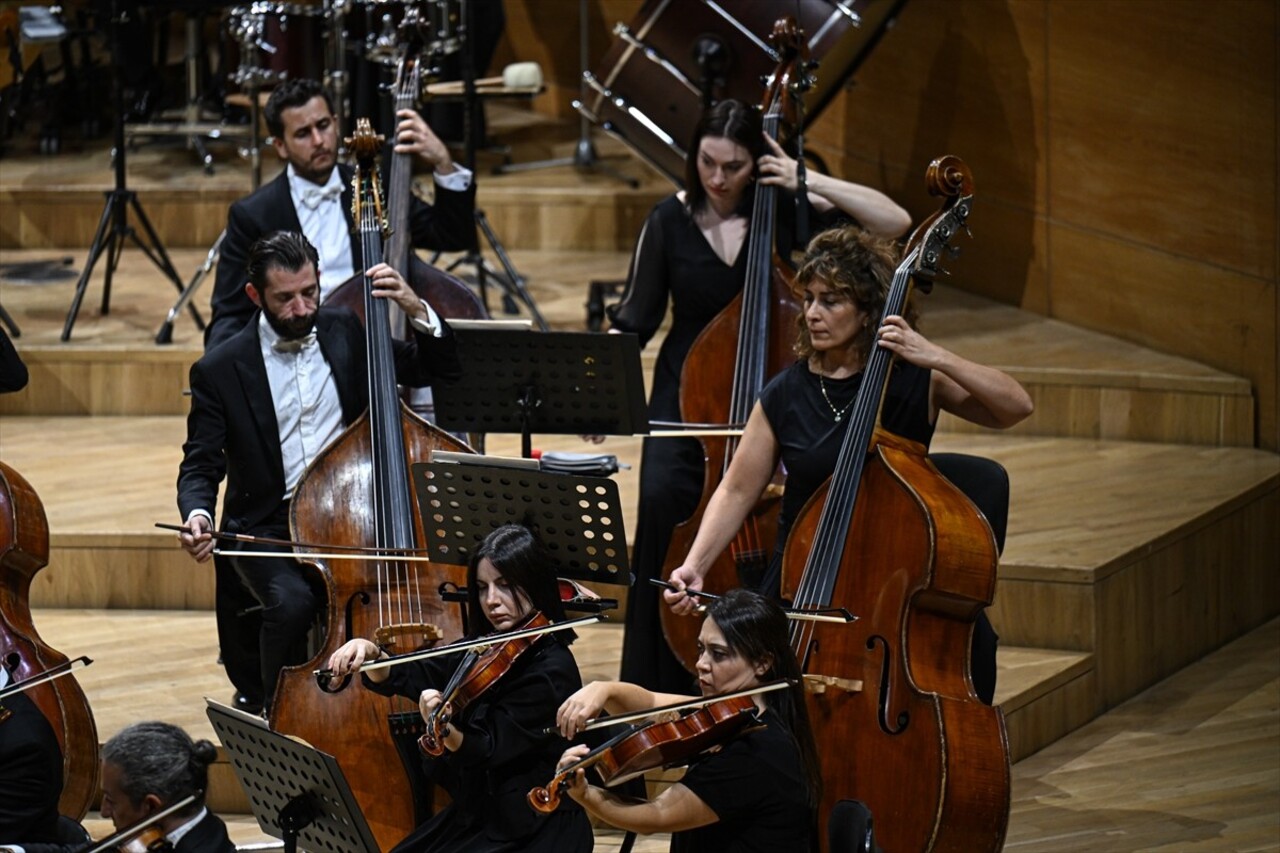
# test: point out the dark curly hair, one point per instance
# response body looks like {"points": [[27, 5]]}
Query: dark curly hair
{"points": [[856, 265]]}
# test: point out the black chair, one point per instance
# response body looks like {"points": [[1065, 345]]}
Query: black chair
{"points": [[850, 828], [986, 483]]}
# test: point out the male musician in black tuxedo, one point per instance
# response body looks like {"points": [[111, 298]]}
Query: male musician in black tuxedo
{"points": [[265, 403], [151, 766], [313, 196], [30, 775]]}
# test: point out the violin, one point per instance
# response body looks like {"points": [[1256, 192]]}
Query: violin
{"points": [[150, 840], [662, 743], [145, 836], [478, 671]]}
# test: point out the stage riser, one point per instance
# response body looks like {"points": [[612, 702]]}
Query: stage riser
{"points": [[523, 219], [71, 381], [161, 577], [1059, 712], [1068, 409], [1168, 606], [74, 382]]}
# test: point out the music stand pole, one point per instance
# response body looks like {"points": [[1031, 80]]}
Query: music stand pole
{"points": [[114, 226]]}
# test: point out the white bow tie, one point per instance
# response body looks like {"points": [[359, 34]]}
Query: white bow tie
{"points": [[293, 345], [313, 196]]}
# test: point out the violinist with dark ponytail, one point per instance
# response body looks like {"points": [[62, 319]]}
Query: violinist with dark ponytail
{"points": [[758, 790], [496, 746]]}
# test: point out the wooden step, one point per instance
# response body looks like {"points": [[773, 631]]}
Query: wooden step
{"points": [[1085, 384], [57, 202]]}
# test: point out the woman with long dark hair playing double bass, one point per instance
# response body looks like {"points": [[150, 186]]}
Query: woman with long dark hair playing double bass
{"points": [[758, 790], [692, 252], [495, 747]]}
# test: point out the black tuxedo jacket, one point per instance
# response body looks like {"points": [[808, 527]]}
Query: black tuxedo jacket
{"points": [[447, 225], [30, 774], [207, 836], [232, 429]]}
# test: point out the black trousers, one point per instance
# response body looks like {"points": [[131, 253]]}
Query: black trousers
{"points": [[288, 601]]}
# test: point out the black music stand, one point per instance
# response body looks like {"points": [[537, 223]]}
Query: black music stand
{"points": [[563, 383], [297, 793], [578, 519]]}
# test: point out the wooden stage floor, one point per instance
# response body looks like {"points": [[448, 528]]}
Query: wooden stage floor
{"points": [[1192, 764]]}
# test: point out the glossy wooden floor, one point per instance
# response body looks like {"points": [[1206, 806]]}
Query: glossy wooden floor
{"points": [[1192, 764]]}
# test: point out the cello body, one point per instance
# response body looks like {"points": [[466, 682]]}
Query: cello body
{"points": [[890, 696], [914, 743], [358, 492], [24, 550]]}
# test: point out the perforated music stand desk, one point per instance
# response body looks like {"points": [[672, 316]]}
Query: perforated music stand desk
{"points": [[578, 519], [562, 383], [297, 793]]}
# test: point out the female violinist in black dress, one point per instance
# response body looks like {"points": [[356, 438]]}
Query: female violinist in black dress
{"points": [[690, 253], [758, 790], [496, 747]]}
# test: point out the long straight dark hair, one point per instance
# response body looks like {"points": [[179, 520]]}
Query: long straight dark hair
{"points": [[737, 122], [756, 628], [526, 564]]}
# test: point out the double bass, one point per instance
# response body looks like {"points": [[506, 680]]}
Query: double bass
{"points": [[893, 541], [24, 550], [448, 296], [741, 348], [358, 492]]}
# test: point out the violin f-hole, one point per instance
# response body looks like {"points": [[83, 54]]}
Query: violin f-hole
{"points": [[882, 702]]}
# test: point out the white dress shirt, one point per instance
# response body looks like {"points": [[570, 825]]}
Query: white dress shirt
{"points": [[308, 411], [323, 222]]}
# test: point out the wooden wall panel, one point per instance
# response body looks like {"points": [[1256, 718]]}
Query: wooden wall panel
{"points": [[1124, 157], [1220, 317], [964, 79], [1163, 126]]}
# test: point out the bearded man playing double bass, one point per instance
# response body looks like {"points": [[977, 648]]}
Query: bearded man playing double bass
{"points": [[263, 406]]}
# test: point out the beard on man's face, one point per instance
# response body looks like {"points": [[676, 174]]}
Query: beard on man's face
{"points": [[292, 328]]}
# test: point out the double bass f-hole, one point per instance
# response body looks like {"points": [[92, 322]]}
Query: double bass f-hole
{"points": [[885, 694]]}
